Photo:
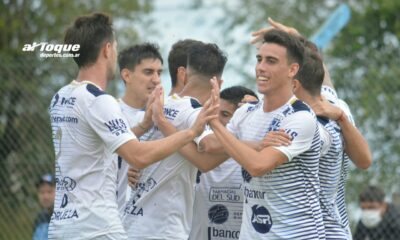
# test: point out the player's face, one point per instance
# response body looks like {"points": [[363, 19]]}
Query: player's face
{"points": [[226, 110], [272, 68], [144, 78], [46, 196]]}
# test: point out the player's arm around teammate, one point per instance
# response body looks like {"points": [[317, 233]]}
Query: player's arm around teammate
{"points": [[142, 154], [356, 145]]}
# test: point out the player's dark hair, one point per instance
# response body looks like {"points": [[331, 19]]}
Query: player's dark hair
{"points": [[293, 45], [90, 32], [206, 59], [235, 94], [131, 56], [311, 74], [177, 57]]}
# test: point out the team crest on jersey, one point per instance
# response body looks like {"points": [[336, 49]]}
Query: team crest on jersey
{"points": [[143, 187], [261, 219], [246, 175], [275, 123], [218, 214]]}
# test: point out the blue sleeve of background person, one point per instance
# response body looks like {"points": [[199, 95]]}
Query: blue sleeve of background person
{"points": [[332, 26], [41, 231]]}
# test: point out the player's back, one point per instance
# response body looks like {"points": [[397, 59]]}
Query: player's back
{"points": [[330, 168], [85, 204]]}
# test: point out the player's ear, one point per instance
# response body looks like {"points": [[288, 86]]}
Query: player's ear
{"points": [[293, 69], [181, 75], [125, 73], [296, 85]]}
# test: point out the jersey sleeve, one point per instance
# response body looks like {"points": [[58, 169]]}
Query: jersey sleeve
{"points": [[191, 116], [343, 105], [301, 126], [105, 117], [238, 115], [325, 139], [330, 94]]}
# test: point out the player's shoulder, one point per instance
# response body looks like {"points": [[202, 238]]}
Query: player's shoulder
{"points": [[249, 107], [298, 105], [186, 102]]}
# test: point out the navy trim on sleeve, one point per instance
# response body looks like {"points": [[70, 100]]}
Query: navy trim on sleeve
{"points": [[323, 120], [195, 104], [300, 106], [94, 90]]}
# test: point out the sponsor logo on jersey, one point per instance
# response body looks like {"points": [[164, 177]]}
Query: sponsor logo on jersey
{"points": [[170, 113], [261, 219], [68, 101], [134, 210], [65, 183], [116, 126], [255, 194], [215, 233], [64, 201], [142, 187], [56, 97], [67, 119], [218, 214], [225, 194], [64, 214], [246, 175]]}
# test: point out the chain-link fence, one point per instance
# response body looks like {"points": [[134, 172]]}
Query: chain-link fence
{"points": [[26, 151]]}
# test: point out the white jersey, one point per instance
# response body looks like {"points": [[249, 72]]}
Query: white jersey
{"points": [[162, 205], [340, 198], [340, 203], [133, 116], [88, 127], [330, 171], [218, 203], [283, 203], [329, 174]]}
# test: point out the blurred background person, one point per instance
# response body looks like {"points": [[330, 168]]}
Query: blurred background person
{"points": [[46, 193], [379, 219]]}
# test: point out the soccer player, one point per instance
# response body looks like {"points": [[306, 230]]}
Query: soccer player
{"points": [[218, 202], [161, 207], [337, 110], [307, 87], [140, 68], [88, 127], [281, 185]]}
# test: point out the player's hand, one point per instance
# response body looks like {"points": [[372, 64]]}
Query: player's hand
{"points": [[258, 35], [246, 99], [147, 122], [133, 177], [209, 112], [326, 109], [276, 139], [158, 106]]}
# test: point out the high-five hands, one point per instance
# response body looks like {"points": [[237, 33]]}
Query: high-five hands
{"points": [[209, 111]]}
